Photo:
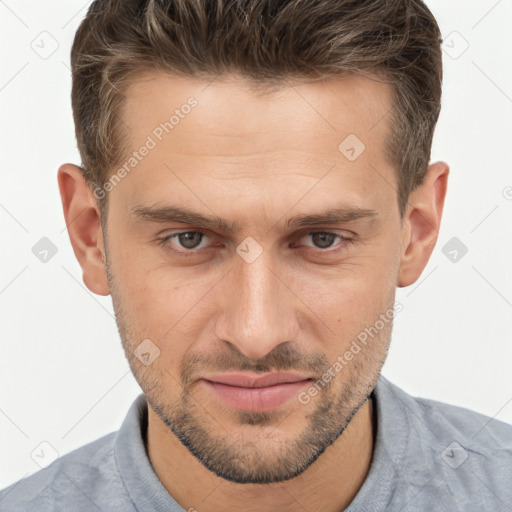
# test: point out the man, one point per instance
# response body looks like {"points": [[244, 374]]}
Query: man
{"points": [[255, 184]]}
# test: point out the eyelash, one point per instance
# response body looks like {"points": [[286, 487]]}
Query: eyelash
{"points": [[187, 253]]}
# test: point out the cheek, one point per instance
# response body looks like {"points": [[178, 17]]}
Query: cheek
{"points": [[167, 307], [349, 298]]}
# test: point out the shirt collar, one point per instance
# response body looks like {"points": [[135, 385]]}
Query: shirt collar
{"points": [[391, 439], [140, 480]]}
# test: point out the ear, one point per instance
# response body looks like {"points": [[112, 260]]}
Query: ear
{"points": [[84, 227], [420, 227]]}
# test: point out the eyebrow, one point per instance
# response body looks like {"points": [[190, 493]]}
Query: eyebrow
{"points": [[185, 216]]}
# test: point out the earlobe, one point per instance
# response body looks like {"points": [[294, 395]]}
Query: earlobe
{"points": [[422, 223], [84, 227]]}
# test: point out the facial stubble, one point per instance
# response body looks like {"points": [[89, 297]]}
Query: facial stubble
{"points": [[265, 456]]}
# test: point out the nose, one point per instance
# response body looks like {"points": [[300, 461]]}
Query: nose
{"points": [[258, 308]]}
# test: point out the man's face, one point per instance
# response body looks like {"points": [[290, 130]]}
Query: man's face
{"points": [[257, 294]]}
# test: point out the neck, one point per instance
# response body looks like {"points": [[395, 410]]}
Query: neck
{"points": [[328, 485]]}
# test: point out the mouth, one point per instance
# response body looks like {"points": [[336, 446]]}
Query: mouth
{"points": [[256, 393]]}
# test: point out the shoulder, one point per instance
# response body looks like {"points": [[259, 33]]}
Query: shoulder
{"points": [[445, 421], [450, 419], [84, 479], [454, 455]]}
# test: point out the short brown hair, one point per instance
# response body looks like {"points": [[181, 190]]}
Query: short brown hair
{"points": [[264, 41]]}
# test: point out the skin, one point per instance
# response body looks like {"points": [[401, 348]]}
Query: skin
{"points": [[256, 160]]}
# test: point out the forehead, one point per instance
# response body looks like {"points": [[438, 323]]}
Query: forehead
{"points": [[225, 130], [229, 105]]}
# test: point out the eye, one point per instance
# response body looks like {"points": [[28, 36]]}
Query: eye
{"points": [[190, 243], [326, 239], [186, 241]]}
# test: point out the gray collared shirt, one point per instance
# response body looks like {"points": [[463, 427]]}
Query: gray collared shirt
{"points": [[428, 456]]}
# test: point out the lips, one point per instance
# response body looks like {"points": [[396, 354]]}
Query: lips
{"points": [[255, 393], [246, 381]]}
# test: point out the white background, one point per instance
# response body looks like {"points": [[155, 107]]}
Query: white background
{"points": [[64, 376]]}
